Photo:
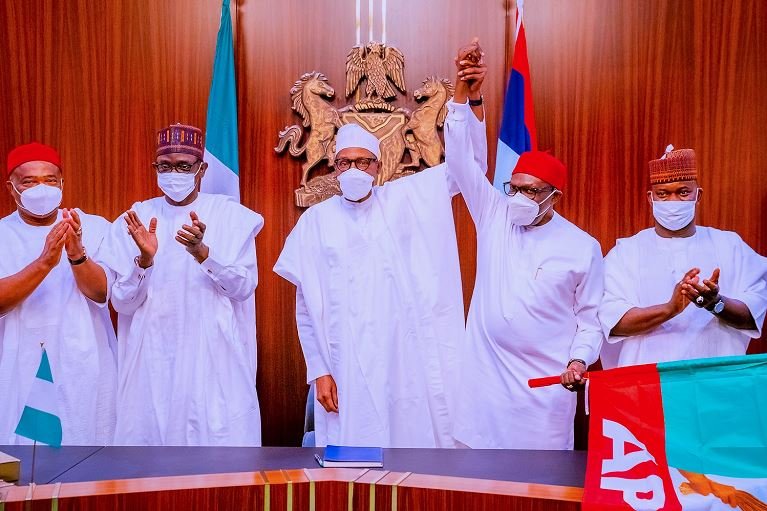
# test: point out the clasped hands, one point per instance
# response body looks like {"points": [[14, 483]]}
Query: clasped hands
{"points": [[190, 236]]}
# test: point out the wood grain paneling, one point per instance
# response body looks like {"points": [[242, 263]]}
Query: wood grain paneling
{"points": [[613, 83], [96, 80], [331, 492]]}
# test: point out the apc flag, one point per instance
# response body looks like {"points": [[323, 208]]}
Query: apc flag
{"points": [[221, 145], [518, 122], [40, 417], [686, 435]]}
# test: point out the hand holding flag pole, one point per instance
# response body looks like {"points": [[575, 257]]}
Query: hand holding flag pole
{"points": [[547, 381]]}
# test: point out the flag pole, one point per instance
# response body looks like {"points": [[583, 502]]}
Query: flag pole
{"points": [[34, 443], [34, 454]]}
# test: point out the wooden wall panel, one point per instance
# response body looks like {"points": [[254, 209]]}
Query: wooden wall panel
{"points": [[97, 80], [613, 83]]}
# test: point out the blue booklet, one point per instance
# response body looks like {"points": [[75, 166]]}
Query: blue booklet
{"points": [[351, 457]]}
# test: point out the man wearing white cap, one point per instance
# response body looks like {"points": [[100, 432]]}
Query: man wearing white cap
{"points": [[379, 306]]}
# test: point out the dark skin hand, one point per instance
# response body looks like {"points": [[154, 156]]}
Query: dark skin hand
{"points": [[638, 320], [14, 289], [89, 276], [735, 313], [327, 393], [572, 379], [471, 72], [190, 236], [145, 239]]}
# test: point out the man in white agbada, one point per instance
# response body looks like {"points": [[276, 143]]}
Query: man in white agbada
{"points": [[379, 306], [653, 277], [52, 292], [536, 296], [184, 293]]}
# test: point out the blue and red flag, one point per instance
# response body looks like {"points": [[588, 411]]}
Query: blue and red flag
{"points": [[518, 123]]}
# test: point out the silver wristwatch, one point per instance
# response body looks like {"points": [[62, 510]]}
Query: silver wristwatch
{"points": [[718, 307]]}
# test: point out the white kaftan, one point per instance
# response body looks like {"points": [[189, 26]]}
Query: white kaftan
{"points": [[186, 331], [379, 307], [77, 333], [642, 270], [534, 307]]}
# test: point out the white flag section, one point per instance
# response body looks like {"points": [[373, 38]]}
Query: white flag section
{"points": [[221, 145], [40, 418]]}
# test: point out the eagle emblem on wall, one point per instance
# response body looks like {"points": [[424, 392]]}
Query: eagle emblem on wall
{"points": [[375, 74]]}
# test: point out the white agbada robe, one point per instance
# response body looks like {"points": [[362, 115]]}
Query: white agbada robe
{"points": [[187, 331], [534, 307], [77, 333], [642, 270], [379, 307]]}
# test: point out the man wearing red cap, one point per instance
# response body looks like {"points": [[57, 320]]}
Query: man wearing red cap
{"points": [[677, 290], [185, 266], [536, 295], [59, 302]]}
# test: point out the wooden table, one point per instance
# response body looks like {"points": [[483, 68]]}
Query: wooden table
{"points": [[275, 478]]}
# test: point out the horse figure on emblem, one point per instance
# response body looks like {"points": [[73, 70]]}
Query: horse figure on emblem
{"points": [[398, 129]]}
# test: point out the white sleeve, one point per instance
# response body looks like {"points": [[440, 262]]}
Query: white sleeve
{"points": [[478, 135], [588, 295], [618, 299], [237, 281], [315, 352], [130, 291], [753, 291], [462, 166], [110, 275]]}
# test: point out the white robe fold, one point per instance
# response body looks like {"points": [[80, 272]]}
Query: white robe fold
{"points": [[642, 271], [77, 333], [534, 308], [379, 307], [186, 331]]}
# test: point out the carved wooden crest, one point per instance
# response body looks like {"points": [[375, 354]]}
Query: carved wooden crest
{"points": [[374, 72]]}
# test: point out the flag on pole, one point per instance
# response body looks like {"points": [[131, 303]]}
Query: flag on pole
{"points": [[679, 435], [518, 122], [221, 146], [40, 418]]}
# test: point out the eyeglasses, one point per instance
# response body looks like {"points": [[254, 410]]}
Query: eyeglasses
{"points": [[528, 191], [359, 163], [181, 167]]}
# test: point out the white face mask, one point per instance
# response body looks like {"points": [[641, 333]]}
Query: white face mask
{"points": [[40, 200], [176, 185], [524, 210], [355, 184], [674, 215]]}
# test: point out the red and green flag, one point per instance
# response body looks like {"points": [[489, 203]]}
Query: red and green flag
{"points": [[679, 435]]}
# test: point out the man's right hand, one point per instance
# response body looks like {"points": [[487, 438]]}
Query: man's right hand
{"points": [[327, 393], [471, 70], [679, 299], [146, 240], [54, 244]]}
